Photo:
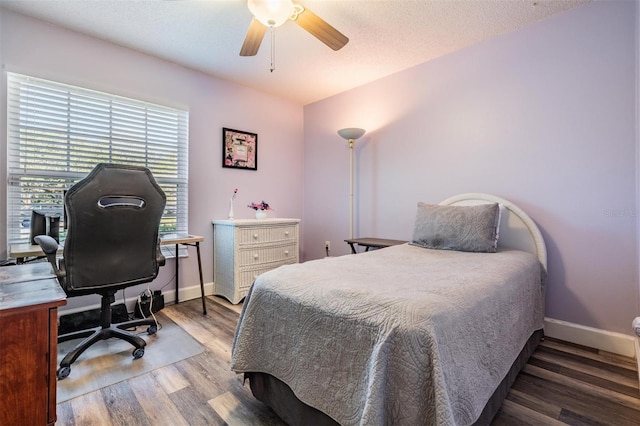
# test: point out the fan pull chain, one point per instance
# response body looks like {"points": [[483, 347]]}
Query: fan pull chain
{"points": [[273, 50]]}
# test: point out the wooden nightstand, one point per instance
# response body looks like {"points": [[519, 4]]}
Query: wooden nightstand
{"points": [[368, 243]]}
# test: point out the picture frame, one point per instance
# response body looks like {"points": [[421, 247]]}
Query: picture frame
{"points": [[239, 149]]}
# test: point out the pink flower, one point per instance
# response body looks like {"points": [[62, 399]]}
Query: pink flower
{"points": [[259, 206]]}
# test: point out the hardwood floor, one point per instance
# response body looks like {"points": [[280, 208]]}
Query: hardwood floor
{"points": [[562, 383]]}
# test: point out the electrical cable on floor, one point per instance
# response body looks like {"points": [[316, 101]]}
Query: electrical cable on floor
{"points": [[150, 296]]}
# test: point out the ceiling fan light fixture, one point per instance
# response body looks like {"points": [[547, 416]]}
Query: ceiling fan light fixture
{"points": [[272, 13]]}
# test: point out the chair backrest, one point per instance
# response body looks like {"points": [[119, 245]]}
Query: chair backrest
{"points": [[112, 237]]}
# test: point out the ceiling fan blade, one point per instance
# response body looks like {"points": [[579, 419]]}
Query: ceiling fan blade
{"points": [[321, 30], [254, 37]]}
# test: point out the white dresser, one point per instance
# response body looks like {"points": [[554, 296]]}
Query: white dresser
{"points": [[246, 248]]}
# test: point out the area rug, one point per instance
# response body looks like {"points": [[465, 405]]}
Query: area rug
{"points": [[111, 361]]}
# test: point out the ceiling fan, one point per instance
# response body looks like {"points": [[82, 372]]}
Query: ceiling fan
{"points": [[273, 13]]}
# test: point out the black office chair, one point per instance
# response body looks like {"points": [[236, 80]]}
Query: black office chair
{"points": [[112, 242]]}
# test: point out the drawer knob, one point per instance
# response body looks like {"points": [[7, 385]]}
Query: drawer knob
{"points": [[286, 252], [255, 236], [255, 256], [286, 233]]}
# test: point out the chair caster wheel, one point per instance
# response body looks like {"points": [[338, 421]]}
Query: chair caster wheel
{"points": [[63, 372], [138, 353], [153, 329]]}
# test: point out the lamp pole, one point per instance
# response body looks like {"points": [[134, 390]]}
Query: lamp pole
{"points": [[351, 142], [351, 134]]}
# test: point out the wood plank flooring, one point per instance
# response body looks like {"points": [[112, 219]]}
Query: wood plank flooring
{"points": [[562, 383]]}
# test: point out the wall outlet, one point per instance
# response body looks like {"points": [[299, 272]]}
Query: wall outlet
{"points": [[327, 245]]}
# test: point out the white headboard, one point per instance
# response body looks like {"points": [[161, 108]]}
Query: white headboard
{"points": [[517, 229]]}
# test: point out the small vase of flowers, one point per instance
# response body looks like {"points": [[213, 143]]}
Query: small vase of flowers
{"points": [[235, 192], [260, 208]]}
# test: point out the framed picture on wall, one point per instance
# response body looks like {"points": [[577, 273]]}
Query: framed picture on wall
{"points": [[239, 149]]}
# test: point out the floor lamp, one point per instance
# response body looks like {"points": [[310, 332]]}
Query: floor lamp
{"points": [[351, 134]]}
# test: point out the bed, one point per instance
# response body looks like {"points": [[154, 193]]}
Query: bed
{"points": [[429, 332]]}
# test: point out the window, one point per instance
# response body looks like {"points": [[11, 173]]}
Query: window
{"points": [[57, 133]]}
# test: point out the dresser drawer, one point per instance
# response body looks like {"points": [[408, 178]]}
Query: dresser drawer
{"points": [[267, 234], [247, 275], [267, 254]]}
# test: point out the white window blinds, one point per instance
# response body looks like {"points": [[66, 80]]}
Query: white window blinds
{"points": [[57, 133]]}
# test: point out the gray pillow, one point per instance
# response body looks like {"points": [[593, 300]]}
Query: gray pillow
{"points": [[462, 228]]}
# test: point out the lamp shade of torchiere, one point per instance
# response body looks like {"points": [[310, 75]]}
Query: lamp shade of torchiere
{"points": [[351, 134]]}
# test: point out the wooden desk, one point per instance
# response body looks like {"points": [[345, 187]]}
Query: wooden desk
{"points": [[375, 243], [23, 251], [29, 300]]}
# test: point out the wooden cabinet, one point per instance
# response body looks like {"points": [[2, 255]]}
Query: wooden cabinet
{"points": [[246, 248], [28, 348]]}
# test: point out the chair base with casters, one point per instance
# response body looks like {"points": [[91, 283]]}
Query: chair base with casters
{"points": [[105, 331]]}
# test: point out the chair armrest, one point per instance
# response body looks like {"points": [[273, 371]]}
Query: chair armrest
{"points": [[160, 257], [50, 248], [47, 244]]}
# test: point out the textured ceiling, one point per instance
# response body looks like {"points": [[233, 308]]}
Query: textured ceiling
{"points": [[206, 35]]}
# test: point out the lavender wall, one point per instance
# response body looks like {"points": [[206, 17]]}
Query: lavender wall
{"points": [[544, 116], [36, 48]]}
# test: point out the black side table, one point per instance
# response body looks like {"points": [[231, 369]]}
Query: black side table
{"points": [[374, 243]]}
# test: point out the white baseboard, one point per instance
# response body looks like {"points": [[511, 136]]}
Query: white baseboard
{"points": [[185, 294], [188, 293], [609, 341]]}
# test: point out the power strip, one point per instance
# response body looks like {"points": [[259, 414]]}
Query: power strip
{"points": [[149, 305]]}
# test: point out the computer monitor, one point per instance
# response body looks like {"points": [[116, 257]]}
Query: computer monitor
{"points": [[64, 209], [38, 225], [44, 224]]}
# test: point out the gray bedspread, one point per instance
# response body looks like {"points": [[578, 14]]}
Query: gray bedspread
{"points": [[402, 336]]}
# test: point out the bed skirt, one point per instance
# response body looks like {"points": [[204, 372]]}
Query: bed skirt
{"points": [[280, 398]]}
